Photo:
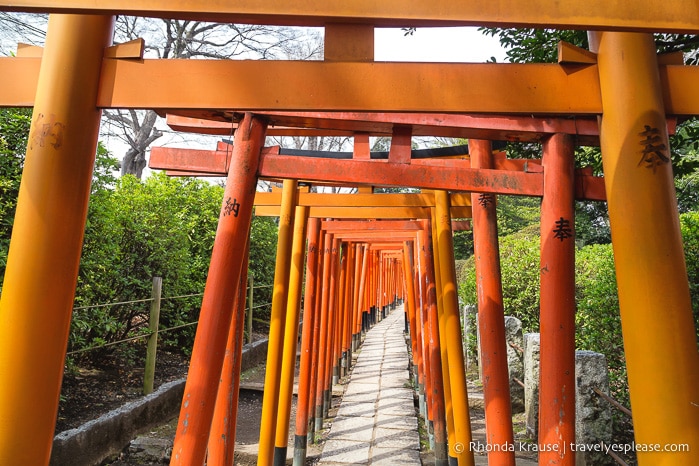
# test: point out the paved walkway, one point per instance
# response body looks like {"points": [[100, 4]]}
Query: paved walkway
{"points": [[376, 422]]}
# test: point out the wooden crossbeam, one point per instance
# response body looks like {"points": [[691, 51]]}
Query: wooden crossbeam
{"points": [[370, 225], [651, 15], [509, 177], [456, 178], [367, 212], [222, 85], [489, 127], [362, 200], [334, 86]]}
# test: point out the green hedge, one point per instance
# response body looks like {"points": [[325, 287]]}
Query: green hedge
{"points": [[598, 324], [160, 226]]}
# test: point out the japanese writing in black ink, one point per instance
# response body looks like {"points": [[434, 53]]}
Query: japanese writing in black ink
{"points": [[654, 150], [485, 199], [47, 131], [563, 229], [231, 207]]}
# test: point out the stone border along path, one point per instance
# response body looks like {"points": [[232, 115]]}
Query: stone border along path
{"points": [[376, 423]]}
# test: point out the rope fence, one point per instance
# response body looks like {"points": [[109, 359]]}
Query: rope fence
{"points": [[621, 408], [599, 393], [613, 402], [152, 332]]}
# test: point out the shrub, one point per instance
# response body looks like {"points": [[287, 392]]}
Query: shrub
{"points": [[597, 320], [163, 227], [689, 223]]}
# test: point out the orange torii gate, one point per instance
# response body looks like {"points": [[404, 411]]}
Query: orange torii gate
{"points": [[625, 86], [342, 231], [491, 321]]}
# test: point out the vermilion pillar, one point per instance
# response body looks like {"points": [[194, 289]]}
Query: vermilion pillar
{"points": [[315, 347], [361, 291], [221, 450], [491, 315], [332, 322], [209, 348], [323, 335], [424, 380], [348, 296], [434, 354], [410, 308], [454, 338], [443, 347], [656, 311], [288, 366], [305, 376], [557, 308], [275, 348], [47, 236], [339, 312]]}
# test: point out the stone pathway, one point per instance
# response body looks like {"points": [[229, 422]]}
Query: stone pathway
{"points": [[376, 423]]}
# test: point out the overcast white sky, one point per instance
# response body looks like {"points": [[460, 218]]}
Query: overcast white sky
{"points": [[455, 44]]}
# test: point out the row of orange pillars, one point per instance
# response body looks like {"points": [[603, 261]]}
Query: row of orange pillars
{"points": [[353, 274]]}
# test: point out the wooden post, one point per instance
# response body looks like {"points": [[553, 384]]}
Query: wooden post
{"points": [[153, 321], [315, 340], [275, 349], [323, 337], [557, 308], [248, 323], [293, 313], [453, 337], [221, 450], [222, 283], [47, 235], [491, 315], [654, 299], [309, 318], [437, 386], [443, 347]]}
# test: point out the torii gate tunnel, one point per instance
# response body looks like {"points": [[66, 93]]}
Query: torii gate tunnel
{"points": [[621, 84]]}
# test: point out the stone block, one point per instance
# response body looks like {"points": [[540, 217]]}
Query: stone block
{"points": [[396, 439], [515, 361], [345, 452], [531, 383], [391, 457], [392, 421], [357, 428], [593, 414]]}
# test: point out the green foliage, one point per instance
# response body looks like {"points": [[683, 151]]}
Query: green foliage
{"points": [[158, 227], [163, 227], [105, 168], [597, 320], [516, 213], [535, 45], [689, 223], [463, 244], [135, 230], [14, 131], [591, 223], [685, 164], [263, 254], [519, 264]]}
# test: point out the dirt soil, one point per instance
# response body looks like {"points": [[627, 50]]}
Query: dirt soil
{"points": [[89, 392]]}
